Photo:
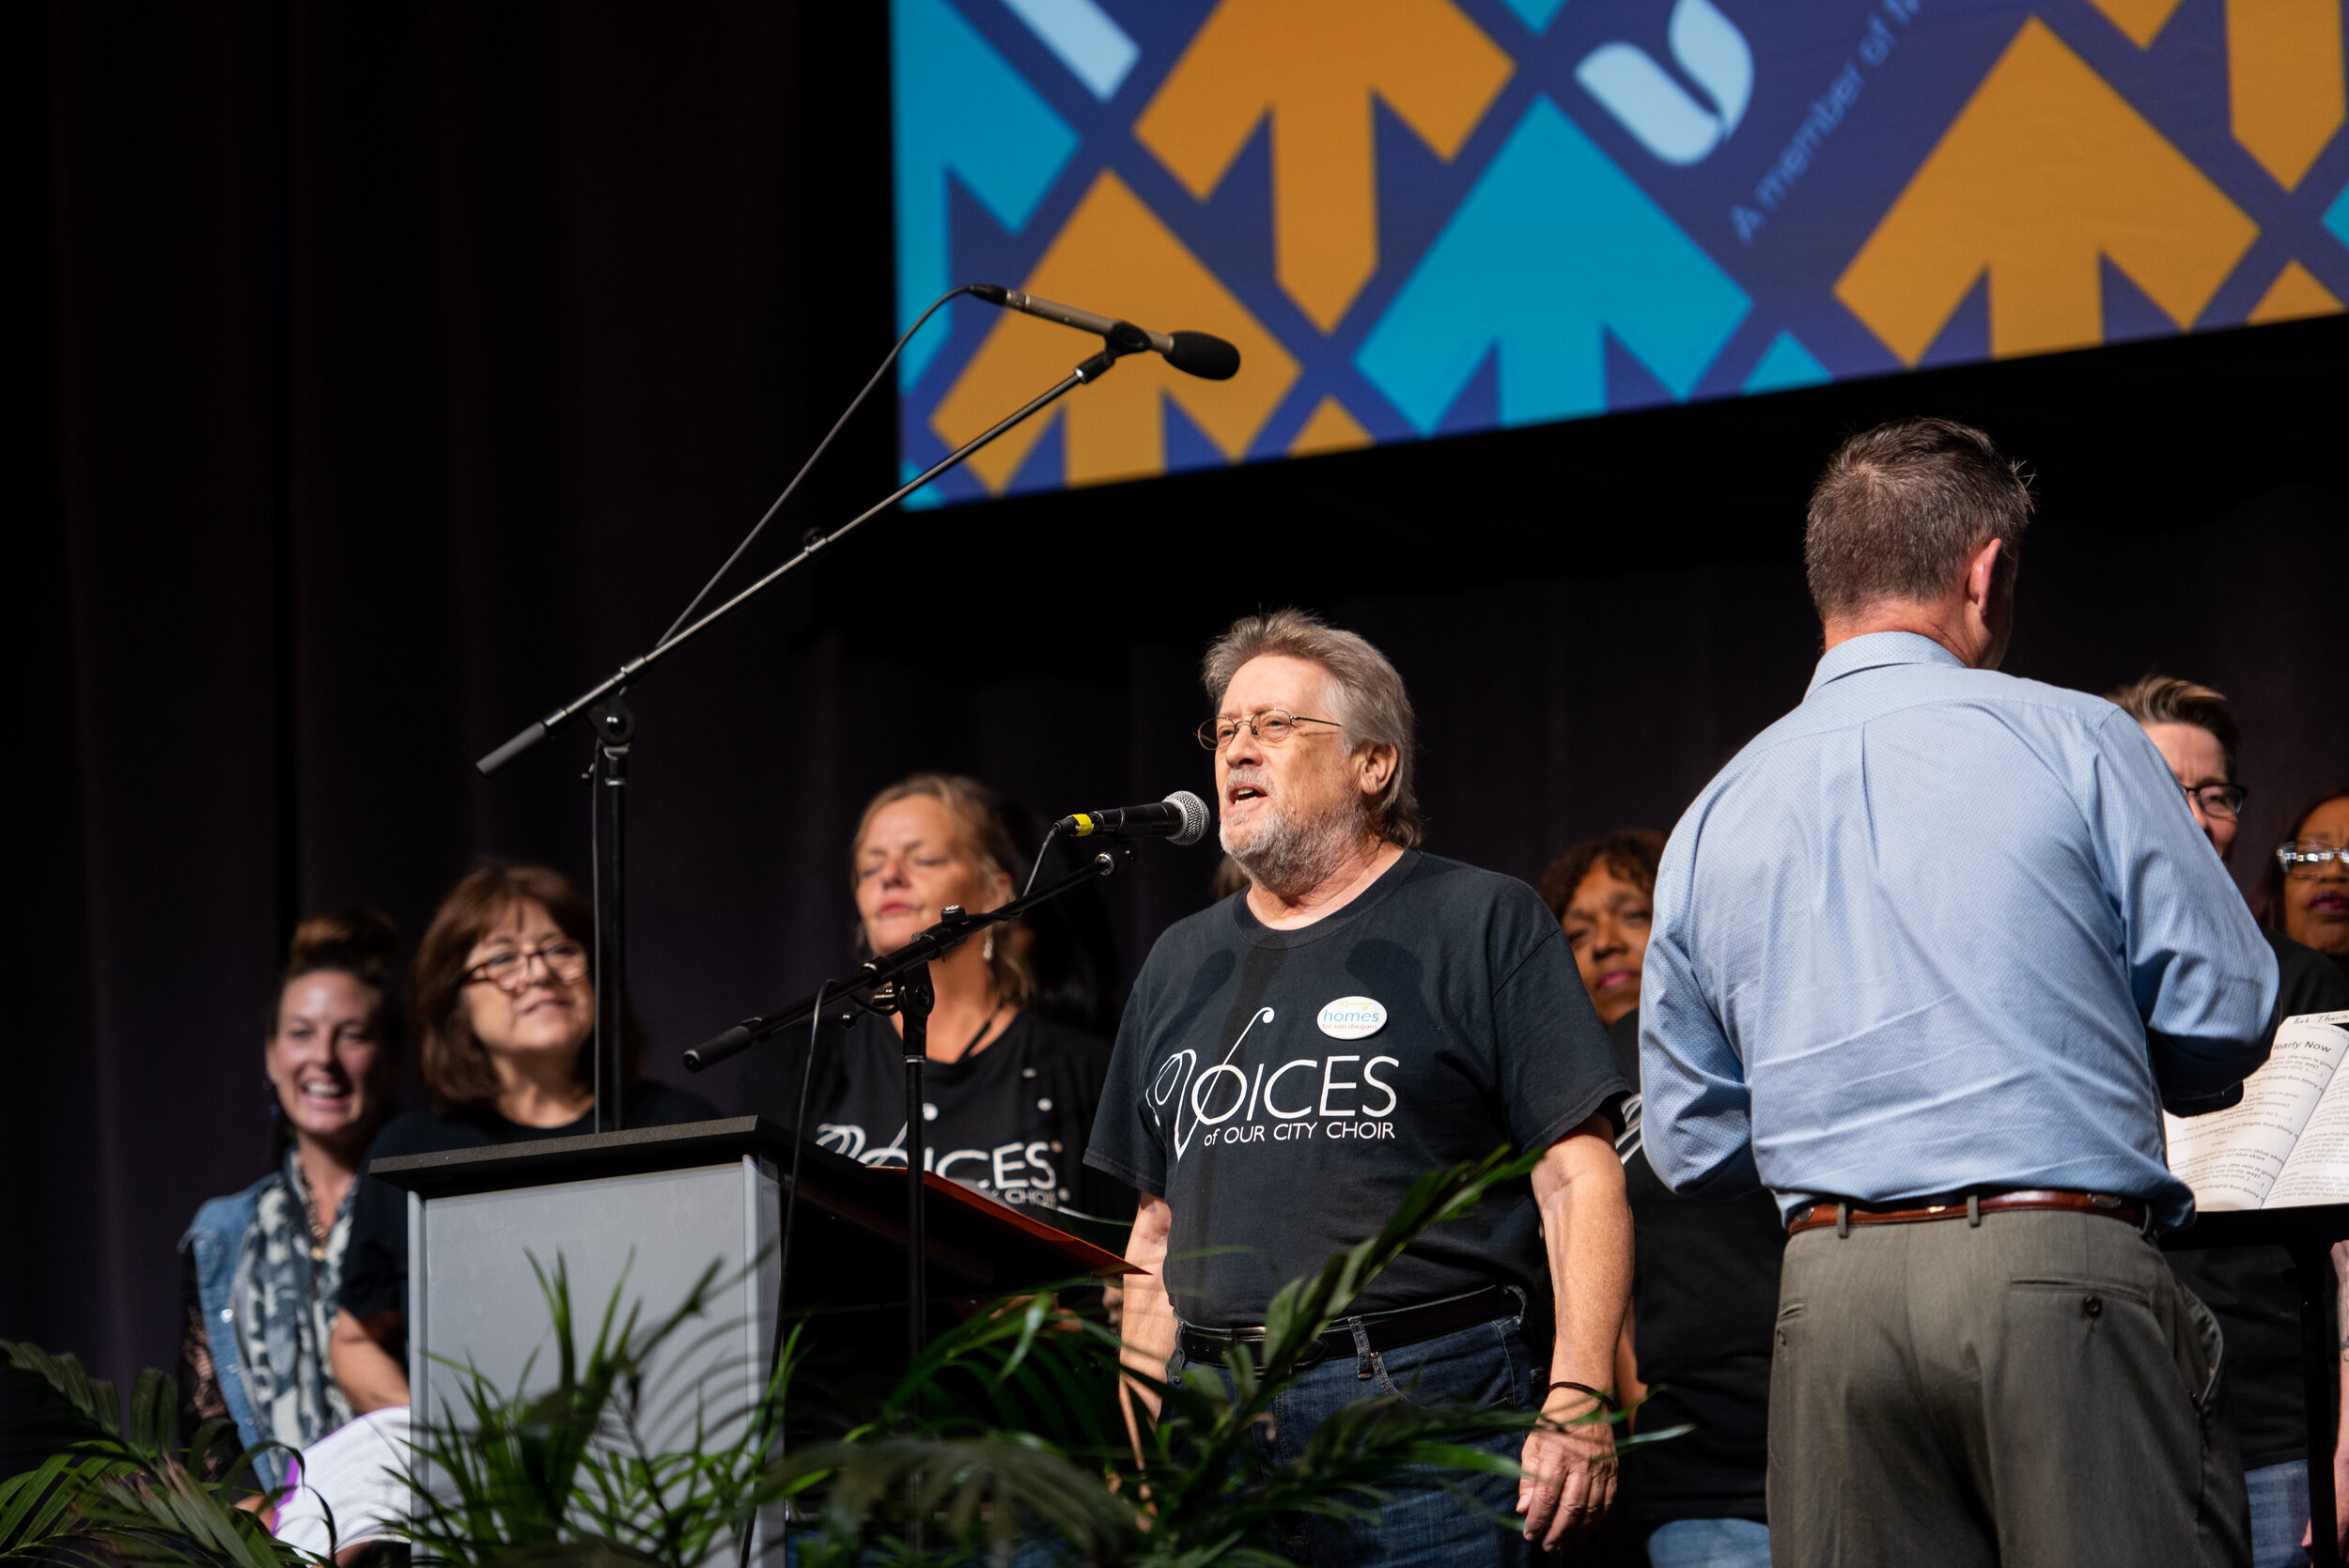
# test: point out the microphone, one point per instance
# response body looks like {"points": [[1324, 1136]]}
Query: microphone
{"points": [[1181, 816], [1201, 354]]}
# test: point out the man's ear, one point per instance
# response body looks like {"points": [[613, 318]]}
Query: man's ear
{"points": [[1374, 766], [1981, 574]]}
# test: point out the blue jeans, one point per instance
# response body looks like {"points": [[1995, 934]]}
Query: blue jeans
{"points": [[1710, 1544], [2279, 1511], [1420, 1525]]}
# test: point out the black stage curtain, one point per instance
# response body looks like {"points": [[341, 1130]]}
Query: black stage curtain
{"points": [[391, 374]]}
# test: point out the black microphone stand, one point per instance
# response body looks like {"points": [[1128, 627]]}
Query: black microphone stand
{"points": [[615, 726], [899, 981]]}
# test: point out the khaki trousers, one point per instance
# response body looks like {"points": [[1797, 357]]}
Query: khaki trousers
{"points": [[2037, 1392]]}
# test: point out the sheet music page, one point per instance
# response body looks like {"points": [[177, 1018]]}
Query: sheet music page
{"points": [[2317, 1171], [358, 1471], [2233, 1159]]}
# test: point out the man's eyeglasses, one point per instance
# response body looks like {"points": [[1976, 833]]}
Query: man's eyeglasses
{"points": [[1272, 727], [2305, 859], [564, 960], [2224, 801]]}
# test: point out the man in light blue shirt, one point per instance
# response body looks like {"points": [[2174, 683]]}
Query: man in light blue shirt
{"points": [[1929, 958]]}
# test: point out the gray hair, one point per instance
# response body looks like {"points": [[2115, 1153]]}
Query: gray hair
{"points": [[1372, 708], [1901, 507]]}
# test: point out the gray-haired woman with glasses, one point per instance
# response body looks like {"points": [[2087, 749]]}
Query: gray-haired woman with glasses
{"points": [[504, 1006]]}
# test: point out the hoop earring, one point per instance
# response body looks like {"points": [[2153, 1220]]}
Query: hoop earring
{"points": [[987, 952]]}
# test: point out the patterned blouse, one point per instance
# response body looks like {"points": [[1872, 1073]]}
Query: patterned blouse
{"points": [[284, 1291]]}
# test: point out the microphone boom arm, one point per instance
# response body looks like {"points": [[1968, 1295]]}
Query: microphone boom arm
{"points": [[935, 942], [1093, 369]]}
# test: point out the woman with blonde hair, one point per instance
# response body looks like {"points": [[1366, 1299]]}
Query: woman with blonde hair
{"points": [[1009, 1095], [504, 1009]]}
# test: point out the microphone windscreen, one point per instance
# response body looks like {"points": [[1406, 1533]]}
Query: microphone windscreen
{"points": [[1203, 354], [1194, 812]]}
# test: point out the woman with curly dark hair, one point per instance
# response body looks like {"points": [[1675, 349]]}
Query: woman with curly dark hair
{"points": [[1696, 1344]]}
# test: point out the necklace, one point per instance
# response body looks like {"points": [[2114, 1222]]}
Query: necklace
{"points": [[985, 1024]]}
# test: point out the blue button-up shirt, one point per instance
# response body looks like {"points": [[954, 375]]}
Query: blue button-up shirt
{"points": [[1940, 929]]}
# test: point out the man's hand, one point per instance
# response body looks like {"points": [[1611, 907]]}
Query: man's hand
{"points": [[1586, 1228], [1571, 1470]]}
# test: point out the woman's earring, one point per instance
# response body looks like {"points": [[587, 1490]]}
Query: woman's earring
{"points": [[276, 1107], [987, 953]]}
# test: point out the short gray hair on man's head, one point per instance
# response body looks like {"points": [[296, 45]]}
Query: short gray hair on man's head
{"points": [[1371, 707], [1901, 509]]}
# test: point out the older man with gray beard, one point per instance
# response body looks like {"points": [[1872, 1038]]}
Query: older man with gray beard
{"points": [[1295, 1057]]}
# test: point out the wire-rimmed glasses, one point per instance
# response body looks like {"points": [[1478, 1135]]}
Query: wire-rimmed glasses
{"points": [[1274, 726], [2308, 857]]}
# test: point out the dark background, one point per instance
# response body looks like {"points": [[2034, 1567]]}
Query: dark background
{"points": [[390, 374]]}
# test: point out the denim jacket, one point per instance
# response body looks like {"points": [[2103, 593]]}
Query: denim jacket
{"points": [[214, 1238]]}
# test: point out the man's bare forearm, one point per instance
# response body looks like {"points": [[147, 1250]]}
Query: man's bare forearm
{"points": [[1587, 1224], [1147, 1325]]}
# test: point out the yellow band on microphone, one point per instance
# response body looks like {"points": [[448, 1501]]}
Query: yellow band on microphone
{"points": [[1084, 825]]}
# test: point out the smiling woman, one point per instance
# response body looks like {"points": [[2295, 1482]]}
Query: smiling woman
{"points": [[506, 1005], [264, 1267]]}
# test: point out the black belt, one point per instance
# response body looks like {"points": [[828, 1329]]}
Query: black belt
{"points": [[1381, 1330]]}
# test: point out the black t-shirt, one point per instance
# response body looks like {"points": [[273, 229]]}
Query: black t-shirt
{"points": [[1281, 1090], [1012, 1121], [375, 1265], [1703, 1307], [2250, 1290]]}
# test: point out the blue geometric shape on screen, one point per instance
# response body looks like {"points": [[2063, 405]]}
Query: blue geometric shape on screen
{"points": [[1629, 383], [1537, 14], [1553, 246], [1786, 363], [1092, 46], [960, 108], [1965, 337], [2129, 313], [1186, 444], [2336, 216], [1478, 405], [928, 495]]}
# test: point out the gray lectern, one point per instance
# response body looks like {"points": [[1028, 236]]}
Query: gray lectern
{"points": [[663, 1203]]}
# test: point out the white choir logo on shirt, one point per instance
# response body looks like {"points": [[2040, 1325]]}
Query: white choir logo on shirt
{"points": [[1352, 1019], [1228, 1103], [1016, 1173]]}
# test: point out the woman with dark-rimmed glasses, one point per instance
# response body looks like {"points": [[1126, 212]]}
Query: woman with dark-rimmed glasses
{"points": [[505, 1008]]}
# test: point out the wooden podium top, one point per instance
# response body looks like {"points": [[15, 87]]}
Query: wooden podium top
{"points": [[974, 1243]]}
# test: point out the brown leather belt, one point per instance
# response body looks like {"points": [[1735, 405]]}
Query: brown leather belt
{"points": [[1963, 1206]]}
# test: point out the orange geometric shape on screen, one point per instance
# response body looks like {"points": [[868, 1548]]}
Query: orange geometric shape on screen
{"points": [[2294, 296], [2141, 19], [1114, 256], [1313, 66], [2284, 87], [2043, 171], [1329, 429]]}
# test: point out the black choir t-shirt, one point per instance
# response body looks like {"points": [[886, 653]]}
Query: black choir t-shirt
{"points": [[2251, 1290], [1281, 1090], [375, 1261], [1703, 1309], [1012, 1121]]}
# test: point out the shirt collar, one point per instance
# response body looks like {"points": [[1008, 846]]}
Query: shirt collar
{"points": [[1875, 651]]}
